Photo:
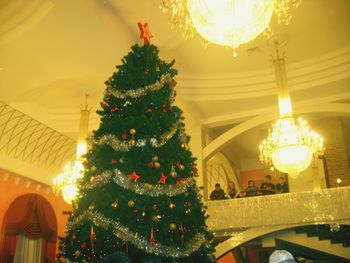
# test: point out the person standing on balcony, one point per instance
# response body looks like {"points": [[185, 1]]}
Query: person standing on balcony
{"points": [[282, 186], [251, 190], [218, 193], [231, 189], [267, 188]]}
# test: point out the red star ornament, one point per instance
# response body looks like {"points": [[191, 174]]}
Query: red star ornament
{"points": [[182, 180], [145, 34], [162, 179], [134, 176]]}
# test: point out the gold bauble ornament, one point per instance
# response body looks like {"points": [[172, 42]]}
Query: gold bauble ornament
{"points": [[93, 168], [172, 205], [132, 141], [173, 174], [181, 167], [77, 253], [148, 186], [172, 226], [155, 158], [132, 131], [156, 218], [156, 165], [131, 203], [115, 203]]}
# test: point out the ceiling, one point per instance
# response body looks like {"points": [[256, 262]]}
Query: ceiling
{"points": [[54, 51]]}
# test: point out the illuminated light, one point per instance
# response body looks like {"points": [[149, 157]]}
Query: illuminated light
{"points": [[339, 181], [227, 22], [230, 23], [292, 159], [81, 149], [285, 106], [66, 182], [290, 146]]}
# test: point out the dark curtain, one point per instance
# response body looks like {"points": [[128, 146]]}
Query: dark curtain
{"points": [[32, 216]]}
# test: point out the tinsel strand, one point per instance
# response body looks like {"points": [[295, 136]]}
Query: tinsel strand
{"points": [[123, 181], [138, 92], [125, 146], [124, 233]]}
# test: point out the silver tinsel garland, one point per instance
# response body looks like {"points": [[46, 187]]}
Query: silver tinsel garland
{"points": [[98, 180], [152, 190], [124, 146], [123, 181], [124, 233], [134, 93]]}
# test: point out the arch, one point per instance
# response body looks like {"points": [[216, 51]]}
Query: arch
{"points": [[341, 109], [220, 162], [239, 238], [33, 216]]}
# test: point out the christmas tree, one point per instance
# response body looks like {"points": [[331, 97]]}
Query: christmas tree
{"points": [[138, 197]]}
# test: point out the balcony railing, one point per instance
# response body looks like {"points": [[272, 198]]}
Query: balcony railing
{"points": [[314, 207]]}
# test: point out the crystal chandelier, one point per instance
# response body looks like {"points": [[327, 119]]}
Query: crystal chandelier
{"points": [[66, 182], [227, 22], [290, 145]]}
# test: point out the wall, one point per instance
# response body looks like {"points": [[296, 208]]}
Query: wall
{"points": [[313, 178], [13, 186], [335, 154], [256, 175]]}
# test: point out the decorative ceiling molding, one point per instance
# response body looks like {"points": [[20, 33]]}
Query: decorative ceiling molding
{"points": [[28, 140], [322, 70], [232, 118], [18, 16]]}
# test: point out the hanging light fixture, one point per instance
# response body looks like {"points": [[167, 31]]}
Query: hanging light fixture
{"points": [[66, 182], [290, 145], [227, 22]]}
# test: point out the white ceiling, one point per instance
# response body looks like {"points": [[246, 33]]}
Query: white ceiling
{"points": [[54, 51]]}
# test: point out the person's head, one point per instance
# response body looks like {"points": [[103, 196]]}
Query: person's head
{"points": [[281, 179], [281, 256], [268, 178], [217, 186], [251, 183], [231, 185]]}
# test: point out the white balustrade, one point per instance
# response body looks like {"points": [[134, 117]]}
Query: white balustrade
{"points": [[313, 207]]}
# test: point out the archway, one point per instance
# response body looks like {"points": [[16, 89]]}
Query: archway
{"points": [[29, 217], [219, 170]]}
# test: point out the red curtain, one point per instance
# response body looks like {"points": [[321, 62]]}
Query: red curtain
{"points": [[33, 216]]}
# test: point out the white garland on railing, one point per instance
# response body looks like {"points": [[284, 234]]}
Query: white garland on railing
{"points": [[124, 233], [148, 189], [134, 93], [124, 146]]}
